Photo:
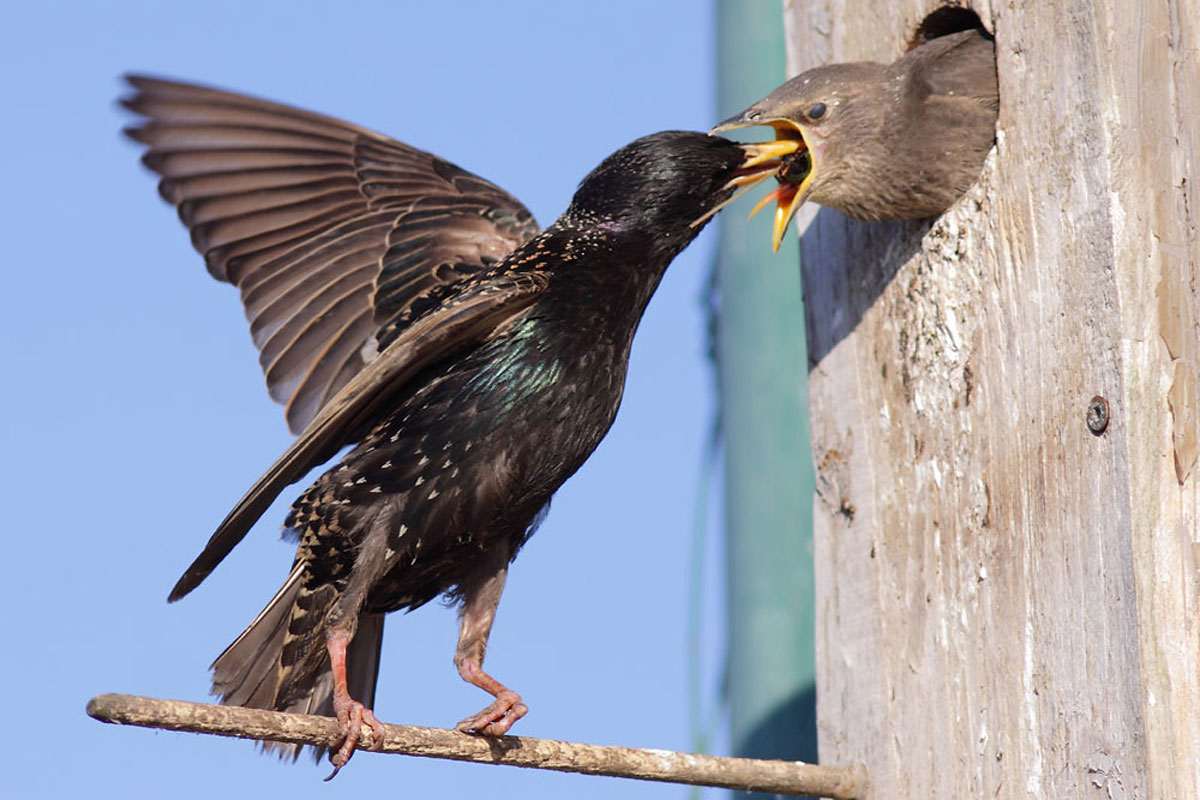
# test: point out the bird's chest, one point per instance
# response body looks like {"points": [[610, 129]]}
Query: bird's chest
{"points": [[555, 397], [487, 440], [467, 463]]}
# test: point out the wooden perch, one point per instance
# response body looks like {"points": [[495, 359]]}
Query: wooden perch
{"points": [[777, 777]]}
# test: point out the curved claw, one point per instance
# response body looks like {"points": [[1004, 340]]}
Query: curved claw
{"points": [[497, 718], [351, 717]]}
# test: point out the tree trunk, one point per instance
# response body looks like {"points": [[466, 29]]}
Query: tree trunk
{"points": [[1006, 586]]}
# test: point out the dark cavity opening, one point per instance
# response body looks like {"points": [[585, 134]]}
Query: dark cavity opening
{"points": [[945, 21]]}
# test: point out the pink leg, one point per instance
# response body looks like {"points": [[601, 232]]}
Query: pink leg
{"points": [[351, 714], [475, 626]]}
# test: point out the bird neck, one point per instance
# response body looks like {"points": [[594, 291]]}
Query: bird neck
{"points": [[601, 277], [597, 262]]}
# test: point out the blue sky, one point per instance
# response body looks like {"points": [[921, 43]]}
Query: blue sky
{"points": [[136, 414]]}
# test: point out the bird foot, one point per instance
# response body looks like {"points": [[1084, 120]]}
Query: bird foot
{"points": [[351, 716], [496, 719]]}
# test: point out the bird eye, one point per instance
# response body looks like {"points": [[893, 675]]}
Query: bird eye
{"points": [[817, 111]]}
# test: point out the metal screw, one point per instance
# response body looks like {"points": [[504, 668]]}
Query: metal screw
{"points": [[1097, 415]]}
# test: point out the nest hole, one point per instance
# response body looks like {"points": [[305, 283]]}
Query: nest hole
{"points": [[945, 21]]}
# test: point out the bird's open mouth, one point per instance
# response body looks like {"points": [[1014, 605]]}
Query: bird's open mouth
{"points": [[788, 159]]}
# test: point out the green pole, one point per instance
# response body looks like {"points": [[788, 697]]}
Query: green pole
{"points": [[762, 369]]}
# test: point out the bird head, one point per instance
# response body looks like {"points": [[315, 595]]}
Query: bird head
{"points": [[831, 116], [666, 186]]}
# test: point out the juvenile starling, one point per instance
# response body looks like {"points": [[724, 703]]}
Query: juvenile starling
{"points": [[896, 141], [412, 309]]}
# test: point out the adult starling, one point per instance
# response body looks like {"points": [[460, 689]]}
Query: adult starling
{"points": [[896, 141], [414, 310]]}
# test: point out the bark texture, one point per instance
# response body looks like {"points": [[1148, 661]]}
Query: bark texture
{"points": [[744, 774], [1007, 601]]}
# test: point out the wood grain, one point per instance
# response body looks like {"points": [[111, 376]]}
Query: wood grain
{"points": [[1007, 602]]}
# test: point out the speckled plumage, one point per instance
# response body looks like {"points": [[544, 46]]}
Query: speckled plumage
{"points": [[488, 392]]}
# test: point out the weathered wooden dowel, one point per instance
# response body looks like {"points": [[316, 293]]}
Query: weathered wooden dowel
{"points": [[779, 777]]}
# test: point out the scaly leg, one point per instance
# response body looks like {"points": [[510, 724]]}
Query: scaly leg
{"points": [[341, 624], [351, 714], [478, 612]]}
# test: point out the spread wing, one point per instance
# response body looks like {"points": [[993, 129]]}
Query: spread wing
{"points": [[330, 231], [459, 322]]}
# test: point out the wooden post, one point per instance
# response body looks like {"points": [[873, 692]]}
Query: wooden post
{"points": [[1006, 594]]}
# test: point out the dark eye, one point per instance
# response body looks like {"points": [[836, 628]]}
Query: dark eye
{"points": [[817, 111]]}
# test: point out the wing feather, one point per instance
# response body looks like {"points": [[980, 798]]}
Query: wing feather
{"points": [[460, 322], [329, 230]]}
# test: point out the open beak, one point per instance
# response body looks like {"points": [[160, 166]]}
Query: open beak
{"points": [[788, 159], [760, 161]]}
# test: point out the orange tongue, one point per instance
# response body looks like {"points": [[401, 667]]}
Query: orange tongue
{"points": [[785, 199], [783, 194]]}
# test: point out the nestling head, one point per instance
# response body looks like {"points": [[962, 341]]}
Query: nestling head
{"points": [[896, 141], [823, 116]]}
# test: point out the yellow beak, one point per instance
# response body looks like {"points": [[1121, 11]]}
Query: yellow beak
{"points": [[791, 158], [788, 198], [762, 160], [768, 151]]}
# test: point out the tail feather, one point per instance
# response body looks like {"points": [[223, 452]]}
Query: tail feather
{"points": [[279, 661], [362, 674], [362, 659], [245, 673]]}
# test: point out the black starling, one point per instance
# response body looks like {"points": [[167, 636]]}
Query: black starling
{"points": [[895, 141], [412, 309]]}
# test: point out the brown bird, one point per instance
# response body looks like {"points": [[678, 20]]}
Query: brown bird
{"points": [[415, 311], [884, 141]]}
